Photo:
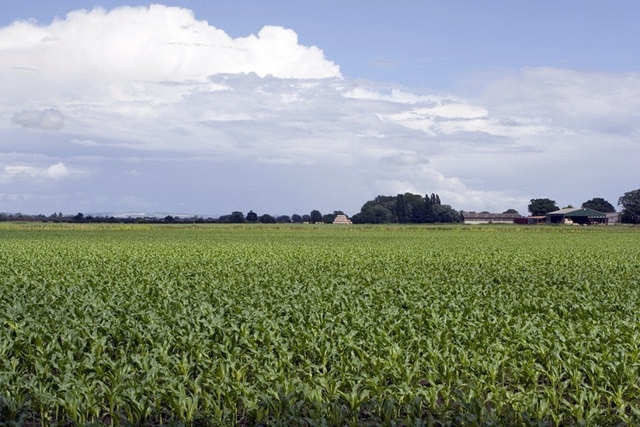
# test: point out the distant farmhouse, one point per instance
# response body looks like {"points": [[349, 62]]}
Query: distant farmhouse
{"points": [[613, 218], [489, 218], [581, 216], [569, 216]]}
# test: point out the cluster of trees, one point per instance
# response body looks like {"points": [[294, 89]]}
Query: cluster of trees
{"points": [[406, 208]]}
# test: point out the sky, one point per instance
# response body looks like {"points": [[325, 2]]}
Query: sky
{"points": [[204, 108]]}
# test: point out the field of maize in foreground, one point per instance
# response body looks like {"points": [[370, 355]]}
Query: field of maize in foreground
{"points": [[326, 325]]}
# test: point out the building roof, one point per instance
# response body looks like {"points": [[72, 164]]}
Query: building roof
{"points": [[487, 215], [578, 212]]}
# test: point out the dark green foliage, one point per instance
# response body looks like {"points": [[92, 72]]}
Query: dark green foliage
{"points": [[406, 208], [630, 203], [599, 204], [267, 219], [328, 218], [283, 219], [539, 207], [252, 216], [236, 217], [315, 216]]}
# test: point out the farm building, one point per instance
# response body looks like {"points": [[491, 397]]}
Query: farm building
{"points": [[613, 218], [341, 219], [580, 216], [489, 218]]}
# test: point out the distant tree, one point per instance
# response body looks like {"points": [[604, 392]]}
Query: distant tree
{"points": [[539, 207], [401, 210], [285, 219], [267, 219], [415, 208], [78, 217], [306, 218], [328, 218], [169, 218], [630, 203], [511, 211], [568, 207], [445, 213], [295, 218], [236, 217], [599, 204], [252, 216], [377, 211], [315, 216], [429, 213]]}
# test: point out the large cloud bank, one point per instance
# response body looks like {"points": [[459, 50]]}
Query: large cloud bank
{"points": [[152, 109]]}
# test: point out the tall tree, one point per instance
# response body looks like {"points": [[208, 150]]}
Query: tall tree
{"points": [[373, 213], [539, 207], [267, 219], [236, 217], [401, 209], [283, 218], [316, 216], [599, 204], [445, 213], [630, 203], [328, 218], [252, 216], [430, 215], [417, 208]]}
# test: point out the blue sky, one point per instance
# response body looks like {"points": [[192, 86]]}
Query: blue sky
{"points": [[176, 108]]}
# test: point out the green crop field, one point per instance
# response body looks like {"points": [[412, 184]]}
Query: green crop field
{"points": [[319, 325]]}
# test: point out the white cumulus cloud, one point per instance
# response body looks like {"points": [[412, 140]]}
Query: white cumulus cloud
{"points": [[153, 43]]}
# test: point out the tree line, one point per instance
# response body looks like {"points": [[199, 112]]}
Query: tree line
{"points": [[407, 208]]}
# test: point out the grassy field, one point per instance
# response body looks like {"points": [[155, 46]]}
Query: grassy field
{"points": [[319, 325]]}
